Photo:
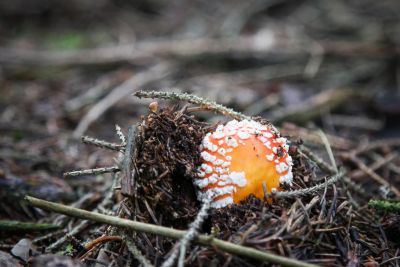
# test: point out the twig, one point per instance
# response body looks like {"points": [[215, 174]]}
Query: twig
{"points": [[83, 224], [83, 201], [389, 260], [140, 79], [357, 122], [100, 240], [211, 105], [50, 235], [90, 246], [92, 171], [237, 78], [380, 162], [127, 180], [244, 45], [136, 252], [265, 103], [378, 144], [101, 143], [313, 137], [391, 166], [167, 232], [120, 135], [91, 95], [313, 157], [311, 190], [6, 225], [189, 236], [75, 230], [326, 167], [361, 165], [385, 205], [307, 110]]}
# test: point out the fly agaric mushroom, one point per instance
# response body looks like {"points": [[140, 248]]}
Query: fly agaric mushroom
{"points": [[238, 158]]}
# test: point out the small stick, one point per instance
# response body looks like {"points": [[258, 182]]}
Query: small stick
{"points": [[361, 165], [100, 240], [378, 144], [313, 137], [49, 235], [97, 242], [136, 252], [83, 224], [211, 105], [380, 162], [391, 166], [91, 95], [127, 180], [75, 230], [6, 225], [311, 108], [189, 236], [389, 260], [229, 247], [92, 171], [120, 135], [101, 143], [326, 167], [321, 164], [140, 79], [311, 190]]}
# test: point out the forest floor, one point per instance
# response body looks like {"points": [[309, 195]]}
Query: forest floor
{"points": [[327, 74]]}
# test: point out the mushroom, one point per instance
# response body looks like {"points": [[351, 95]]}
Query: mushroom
{"points": [[238, 158]]}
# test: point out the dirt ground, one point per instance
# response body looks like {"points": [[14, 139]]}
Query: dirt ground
{"points": [[326, 73]]}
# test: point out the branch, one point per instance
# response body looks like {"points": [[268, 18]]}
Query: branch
{"points": [[92, 171], [6, 225], [128, 173], [189, 236], [389, 142], [310, 190], [121, 135], [101, 143], [313, 107], [211, 105], [136, 252], [326, 167], [361, 165], [167, 232], [145, 50], [140, 79], [105, 204]]}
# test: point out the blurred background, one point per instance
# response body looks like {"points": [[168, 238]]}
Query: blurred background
{"points": [[69, 68]]}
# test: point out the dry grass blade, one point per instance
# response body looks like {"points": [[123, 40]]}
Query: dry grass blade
{"points": [[328, 149]]}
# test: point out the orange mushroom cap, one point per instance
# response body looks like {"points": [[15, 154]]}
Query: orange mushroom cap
{"points": [[238, 158]]}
